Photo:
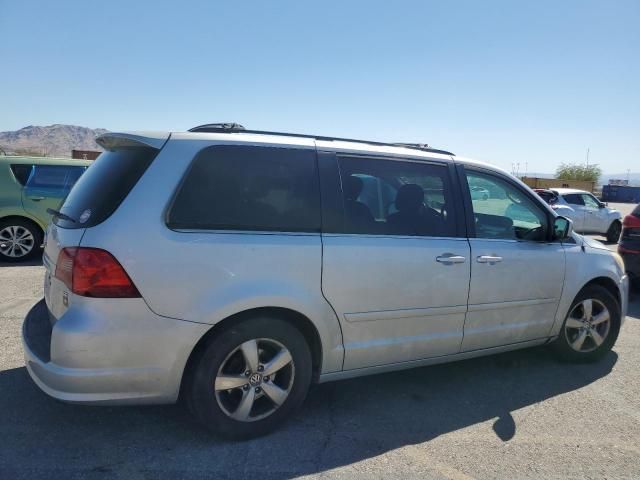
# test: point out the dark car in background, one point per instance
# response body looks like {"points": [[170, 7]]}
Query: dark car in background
{"points": [[629, 246]]}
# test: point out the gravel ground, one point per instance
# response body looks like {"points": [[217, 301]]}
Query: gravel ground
{"points": [[517, 415]]}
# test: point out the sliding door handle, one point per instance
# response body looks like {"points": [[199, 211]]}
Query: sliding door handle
{"points": [[490, 259], [449, 259]]}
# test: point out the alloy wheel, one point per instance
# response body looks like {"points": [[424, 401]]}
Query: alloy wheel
{"points": [[16, 241], [588, 325], [254, 380], [616, 228]]}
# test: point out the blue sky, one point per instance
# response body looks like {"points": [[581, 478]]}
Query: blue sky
{"points": [[529, 82]]}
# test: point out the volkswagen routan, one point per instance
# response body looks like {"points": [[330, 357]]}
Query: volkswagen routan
{"points": [[233, 268]]}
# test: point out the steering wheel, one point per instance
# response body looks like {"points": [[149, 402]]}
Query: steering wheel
{"points": [[533, 234]]}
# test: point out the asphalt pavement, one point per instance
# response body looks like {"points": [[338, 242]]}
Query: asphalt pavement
{"points": [[520, 415]]}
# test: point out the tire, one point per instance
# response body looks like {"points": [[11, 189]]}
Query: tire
{"points": [[590, 350], [613, 234], [20, 240], [223, 362]]}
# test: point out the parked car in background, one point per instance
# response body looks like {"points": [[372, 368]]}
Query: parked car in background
{"points": [[552, 198], [28, 187], [479, 193], [589, 214], [629, 247], [234, 268], [547, 195]]}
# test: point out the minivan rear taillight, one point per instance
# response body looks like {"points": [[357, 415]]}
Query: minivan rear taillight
{"points": [[93, 272]]}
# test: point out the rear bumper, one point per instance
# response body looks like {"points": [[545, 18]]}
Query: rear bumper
{"points": [[90, 357]]}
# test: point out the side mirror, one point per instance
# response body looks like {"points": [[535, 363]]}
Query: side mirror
{"points": [[562, 228]]}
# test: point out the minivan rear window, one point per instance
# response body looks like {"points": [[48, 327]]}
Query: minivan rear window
{"points": [[105, 184], [249, 188]]}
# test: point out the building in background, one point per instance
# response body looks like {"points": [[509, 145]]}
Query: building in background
{"points": [[85, 154], [536, 182]]}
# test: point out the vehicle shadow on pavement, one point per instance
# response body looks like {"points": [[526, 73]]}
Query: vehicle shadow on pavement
{"points": [[341, 423], [36, 262]]}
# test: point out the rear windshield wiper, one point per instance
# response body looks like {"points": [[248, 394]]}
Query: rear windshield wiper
{"points": [[61, 215]]}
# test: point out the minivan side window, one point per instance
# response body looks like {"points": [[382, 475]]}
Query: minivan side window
{"points": [[390, 197], [231, 187], [507, 212]]}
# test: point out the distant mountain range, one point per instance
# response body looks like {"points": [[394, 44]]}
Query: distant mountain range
{"points": [[52, 141]]}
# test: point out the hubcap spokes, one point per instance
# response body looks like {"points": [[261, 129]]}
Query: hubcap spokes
{"points": [[16, 241], [254, 380], [588, 325]]}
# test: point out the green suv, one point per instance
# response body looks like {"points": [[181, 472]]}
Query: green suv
{"points": [[28, 187]]}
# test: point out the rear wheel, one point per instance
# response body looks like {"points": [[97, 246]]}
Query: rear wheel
{"points": [[591, 327], [19, 240], [250, 377], [613, 234]]}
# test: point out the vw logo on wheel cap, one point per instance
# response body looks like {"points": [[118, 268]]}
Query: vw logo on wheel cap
{"points": [[255, 379]]}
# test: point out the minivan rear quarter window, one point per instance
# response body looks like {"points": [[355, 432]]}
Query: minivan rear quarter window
{"points": [[232, 187], [104, 186]]}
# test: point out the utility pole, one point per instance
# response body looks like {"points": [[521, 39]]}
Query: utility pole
{"points": [[587, 156]]}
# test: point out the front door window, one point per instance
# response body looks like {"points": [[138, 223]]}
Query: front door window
{"points": [[506, 212]]}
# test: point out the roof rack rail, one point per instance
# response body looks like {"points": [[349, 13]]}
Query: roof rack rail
{"points": [[218, 127], [421, 146], [237, 128]]}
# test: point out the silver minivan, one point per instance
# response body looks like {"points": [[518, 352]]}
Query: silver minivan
{"points": [[234, 268]]}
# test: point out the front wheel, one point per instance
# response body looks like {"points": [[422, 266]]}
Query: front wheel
{"points": [[613, 234], [591, 327], [250, 377]]}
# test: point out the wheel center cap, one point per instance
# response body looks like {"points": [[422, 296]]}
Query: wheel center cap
{"points": [[255, 379]]}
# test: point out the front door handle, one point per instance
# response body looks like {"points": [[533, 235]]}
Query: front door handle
{"points": [[449, 259], [36, 199], [490, 259]]}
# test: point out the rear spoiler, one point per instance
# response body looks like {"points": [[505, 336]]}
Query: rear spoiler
{"points": [[113, 140]]}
